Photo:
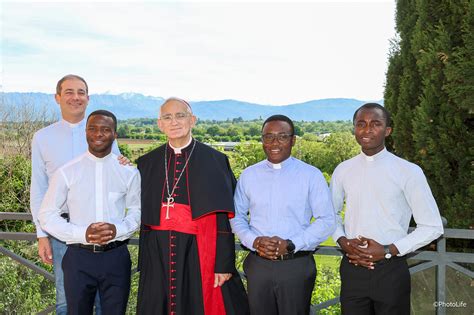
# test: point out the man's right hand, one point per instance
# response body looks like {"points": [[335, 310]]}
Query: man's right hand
{"points": [[44, 250]]}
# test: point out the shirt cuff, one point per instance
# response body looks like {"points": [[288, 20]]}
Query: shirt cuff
{"points": [[40, 232], [299, 243], [79, 234], [337, 234], [403, 247], [248, 242], [120, 231]]}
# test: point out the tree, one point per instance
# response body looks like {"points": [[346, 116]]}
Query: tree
{"points": [[213, 131], [123, 131], [430, 84]]}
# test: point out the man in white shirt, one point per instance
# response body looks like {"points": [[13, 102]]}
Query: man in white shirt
{"points": [[103, 199], [382, 192], [52, 147]]}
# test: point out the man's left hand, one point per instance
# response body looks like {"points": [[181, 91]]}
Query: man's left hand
{"points": [[220, 278], [123, 160]]}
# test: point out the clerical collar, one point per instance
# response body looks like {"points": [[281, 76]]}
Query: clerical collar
{"points": [[72, 125], [375, 157], [178, 150], [98, 159], [277, 166]]}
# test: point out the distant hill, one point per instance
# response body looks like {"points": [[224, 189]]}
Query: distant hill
{"points": [[134, 105]]}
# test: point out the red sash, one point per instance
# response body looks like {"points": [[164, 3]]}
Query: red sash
{"points": [[205, 229]]}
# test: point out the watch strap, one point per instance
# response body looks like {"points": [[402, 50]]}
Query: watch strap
{"points": [[290, 247], [388, 254]]}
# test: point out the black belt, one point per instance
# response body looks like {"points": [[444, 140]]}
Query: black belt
{"points": [[392, 259], [100, 248], [301, 253]]}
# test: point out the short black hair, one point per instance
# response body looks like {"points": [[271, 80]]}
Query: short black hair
{"points": [[104, 112], [386, 113], [280, 118]]}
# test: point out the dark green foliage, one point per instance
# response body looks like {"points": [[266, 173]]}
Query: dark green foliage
{"points": [[15, 172], [23, 291], [27, 293], [430, 93]]}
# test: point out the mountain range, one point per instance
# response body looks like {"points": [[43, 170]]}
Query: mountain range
{"points": [[135, 105]]}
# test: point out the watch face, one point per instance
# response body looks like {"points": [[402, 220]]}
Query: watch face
{"points": [[388, 256]]}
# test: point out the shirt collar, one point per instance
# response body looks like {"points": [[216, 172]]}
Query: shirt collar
{"points": [[375, 157], [281, 165], [98, 159], [71, 125], [178, 150]]}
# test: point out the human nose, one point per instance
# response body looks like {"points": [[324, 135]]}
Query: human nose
{"points": [[99, 133], [173, 120], [368, 128]]}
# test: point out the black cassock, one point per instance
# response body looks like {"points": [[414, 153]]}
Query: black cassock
{"points": [[179, 255]]}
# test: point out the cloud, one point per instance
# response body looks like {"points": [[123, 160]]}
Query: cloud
{"points": [[266, 52]]}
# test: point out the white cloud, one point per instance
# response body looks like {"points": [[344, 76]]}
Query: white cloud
{"points": [[267, 52]]}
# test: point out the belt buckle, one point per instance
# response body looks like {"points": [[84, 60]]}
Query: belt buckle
{"points": [[97, 248]]}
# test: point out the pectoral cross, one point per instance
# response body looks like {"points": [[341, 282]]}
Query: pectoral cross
{"points": [[169, 203]]}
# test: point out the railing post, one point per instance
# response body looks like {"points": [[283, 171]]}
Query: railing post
{"points": [[441, 277]]}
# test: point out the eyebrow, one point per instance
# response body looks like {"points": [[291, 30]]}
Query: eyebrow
{"points": [[66, 90]]}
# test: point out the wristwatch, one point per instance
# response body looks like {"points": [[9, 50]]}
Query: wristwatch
{"points": [[290, 247], [386, 249]]}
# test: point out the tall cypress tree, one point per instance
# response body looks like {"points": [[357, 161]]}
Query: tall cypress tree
{"points": [[406, 92], [430, 92]]}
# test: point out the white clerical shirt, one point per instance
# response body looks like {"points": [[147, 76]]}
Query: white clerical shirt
{"points": [[51, 148], [94, 190], [382, 192]]}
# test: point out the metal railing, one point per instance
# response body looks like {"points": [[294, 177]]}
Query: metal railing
{"points": [[428, 259]]}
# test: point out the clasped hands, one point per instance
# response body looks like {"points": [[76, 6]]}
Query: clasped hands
{"points": [[362, 251], [270, 247], [100, 233]]}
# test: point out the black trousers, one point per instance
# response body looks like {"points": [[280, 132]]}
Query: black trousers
{"points": [[280, 287], [384, 290], [86, 272]]}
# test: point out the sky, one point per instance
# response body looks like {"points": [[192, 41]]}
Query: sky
{"points": [[267, 52]]}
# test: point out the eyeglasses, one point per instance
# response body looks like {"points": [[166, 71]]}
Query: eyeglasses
{"points": [[178, 117], [281, 137]]}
